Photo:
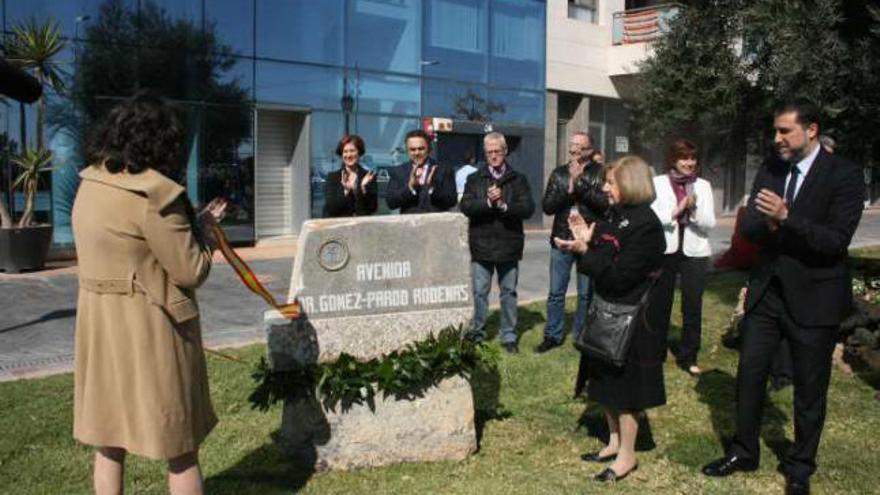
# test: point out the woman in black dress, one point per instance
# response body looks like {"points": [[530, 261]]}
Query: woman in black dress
{"points": [[350, 191], [622, 255]]}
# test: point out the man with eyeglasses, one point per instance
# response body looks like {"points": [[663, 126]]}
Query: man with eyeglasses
{"points": [[420, 185], [496, 200], [575, 184]]}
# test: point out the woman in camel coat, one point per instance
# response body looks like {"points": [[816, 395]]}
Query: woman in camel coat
{"points": [[140, 380]]}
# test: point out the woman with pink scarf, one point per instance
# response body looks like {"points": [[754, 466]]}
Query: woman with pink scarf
{"points": [[686, 209]]}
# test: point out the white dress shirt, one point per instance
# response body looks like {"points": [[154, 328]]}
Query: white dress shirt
{"points": [[804, 167]]}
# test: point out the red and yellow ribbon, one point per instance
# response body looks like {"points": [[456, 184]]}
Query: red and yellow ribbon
{"points": [[249, 279]]}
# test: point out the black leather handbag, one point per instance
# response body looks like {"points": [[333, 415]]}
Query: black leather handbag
{"points": [[610, 328]]}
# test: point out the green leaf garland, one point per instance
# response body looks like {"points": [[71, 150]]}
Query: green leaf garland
{"points": [[404, 374]]}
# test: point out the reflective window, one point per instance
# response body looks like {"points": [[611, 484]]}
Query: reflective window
{"points": [[303, 30], [66, 163], [326, 129], [459, 101], [10, 145], [68, 124], [235, 82], [232, 23], [517, 44], [384, 35], [96, 61], [11, 111], [519, 107], [306, 85], [171, 72], [227, 166], [189, 11], [72, 16], [384, 94], [384, 137], [476, 103], [173, 25], [584, 10], [455, 39], [612, 118]]}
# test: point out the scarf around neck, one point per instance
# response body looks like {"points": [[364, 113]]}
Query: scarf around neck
{"points": [[682, 185]]}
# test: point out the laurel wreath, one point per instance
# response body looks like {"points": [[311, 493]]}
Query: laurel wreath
{"points": [[403, 374]]}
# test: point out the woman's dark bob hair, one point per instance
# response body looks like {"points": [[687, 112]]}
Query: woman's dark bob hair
{"points": [[142, 132], [353, 139], [681, 149]]}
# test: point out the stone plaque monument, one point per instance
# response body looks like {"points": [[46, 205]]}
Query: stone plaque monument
{"points": [[367, 287]]}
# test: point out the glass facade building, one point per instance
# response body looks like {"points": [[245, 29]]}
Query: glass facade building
{"points": [[268, 87]]}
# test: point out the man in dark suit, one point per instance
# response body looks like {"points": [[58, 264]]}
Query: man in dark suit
{"points": [[420, 185], [802, 212]]}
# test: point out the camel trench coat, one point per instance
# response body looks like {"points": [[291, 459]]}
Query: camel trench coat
{"points": [[140, 377]]}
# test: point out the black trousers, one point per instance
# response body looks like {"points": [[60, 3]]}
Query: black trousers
{"points": [[693, 281], [782, 366], [811, 348]]}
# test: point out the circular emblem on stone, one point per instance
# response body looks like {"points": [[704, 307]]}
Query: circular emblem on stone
{"points": [[333, 255]]}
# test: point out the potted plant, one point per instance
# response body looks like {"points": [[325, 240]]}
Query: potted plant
{"points": [[25, 245]]}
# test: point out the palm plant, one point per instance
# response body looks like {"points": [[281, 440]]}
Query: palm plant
{"points": [[6, 150], [5, 217], [31, 163], [33, 47]]}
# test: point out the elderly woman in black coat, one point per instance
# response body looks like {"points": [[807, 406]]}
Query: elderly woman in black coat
{"points": [[622, 255]]}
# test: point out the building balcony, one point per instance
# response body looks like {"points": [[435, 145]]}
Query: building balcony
{"points": [[632, 33], [642, 25]]}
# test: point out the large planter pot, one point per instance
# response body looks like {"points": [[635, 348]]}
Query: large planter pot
{"points": [[24, 248]]}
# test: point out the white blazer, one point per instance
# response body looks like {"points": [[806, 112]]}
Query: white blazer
{"points": [[696, 233]]}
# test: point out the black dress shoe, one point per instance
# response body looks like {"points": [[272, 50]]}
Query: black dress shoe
{"points": [[610, 475], [728, 465], [797, 487], [595, 457], [510, 347], [546, 345]]}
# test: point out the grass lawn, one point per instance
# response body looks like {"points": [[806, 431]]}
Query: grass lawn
{"points": [[530, 444], [871, 252]]}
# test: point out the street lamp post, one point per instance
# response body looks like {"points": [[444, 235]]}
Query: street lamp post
{"points": [[422, 65], [79, 19], [347, 103]]}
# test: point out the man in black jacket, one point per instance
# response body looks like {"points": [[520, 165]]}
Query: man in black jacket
{"points": [[420, 185], [578, 182], [803, 212], [496, 200]]}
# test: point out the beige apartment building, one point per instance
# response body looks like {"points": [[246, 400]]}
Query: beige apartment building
{"points": [[593, 50]]}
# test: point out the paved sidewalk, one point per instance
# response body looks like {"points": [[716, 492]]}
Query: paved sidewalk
{"points": [[37, 310]]}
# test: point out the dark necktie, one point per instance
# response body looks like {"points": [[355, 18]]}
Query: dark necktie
{"points": [[792, 186]]}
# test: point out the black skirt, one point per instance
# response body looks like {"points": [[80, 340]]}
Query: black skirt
{"points": [[638, 384]]}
